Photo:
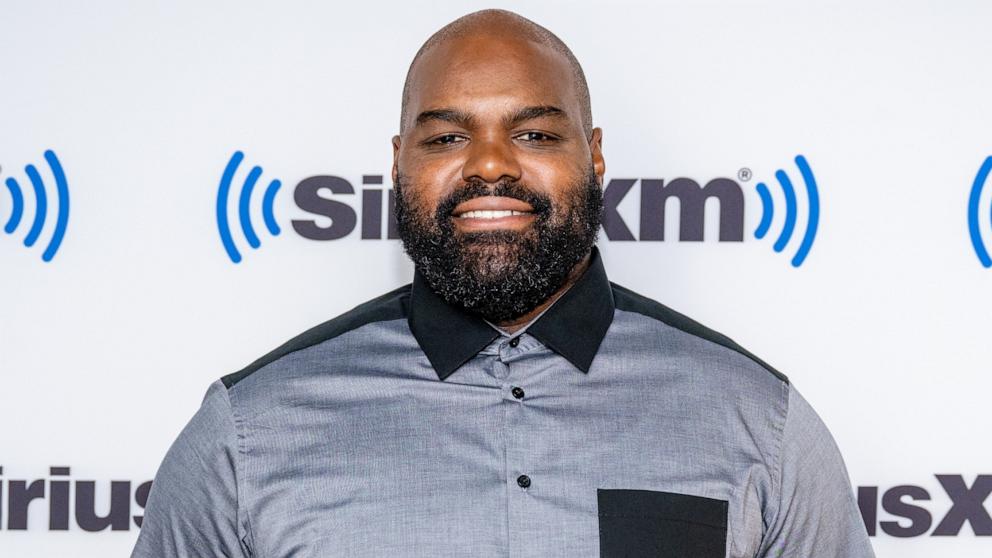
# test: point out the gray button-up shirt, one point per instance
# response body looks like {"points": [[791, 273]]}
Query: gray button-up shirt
{"points": [[613, 426]]}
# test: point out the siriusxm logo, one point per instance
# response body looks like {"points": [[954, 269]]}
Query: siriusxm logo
{"points": [[73, 500], [911, 516], [975, 213], [692, 197], [307, 195], [41, 206], [789, 193], [324, 196], [244, 201]]}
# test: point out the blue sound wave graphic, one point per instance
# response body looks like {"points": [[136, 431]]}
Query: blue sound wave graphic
{"points": [[41, 206], [791, 211], [973, 199], [244, 205]]}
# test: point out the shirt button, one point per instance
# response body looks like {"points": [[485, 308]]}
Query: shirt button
{"points": [[523, 481], [517, 392], [515, 341]]}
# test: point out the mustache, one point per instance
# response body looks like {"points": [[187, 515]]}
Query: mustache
{"points": [[506, 188]]}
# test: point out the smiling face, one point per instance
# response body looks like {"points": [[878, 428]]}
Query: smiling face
{"points": [[498, 186]]}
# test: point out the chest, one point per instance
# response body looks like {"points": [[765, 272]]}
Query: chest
{"points": [[524, 465]]}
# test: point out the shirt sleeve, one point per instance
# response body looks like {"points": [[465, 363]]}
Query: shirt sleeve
{"points": [[816, 513], [192, 509]]}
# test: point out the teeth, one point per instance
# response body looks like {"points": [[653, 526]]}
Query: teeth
{"points": [[490, 214]]}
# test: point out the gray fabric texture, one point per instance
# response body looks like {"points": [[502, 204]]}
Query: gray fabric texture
{"points": [[353, 447]]}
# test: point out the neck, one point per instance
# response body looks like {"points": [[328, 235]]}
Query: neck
{"points": [[513, 325]]}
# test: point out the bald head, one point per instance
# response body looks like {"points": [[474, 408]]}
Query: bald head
{"points": [[507, 26]]}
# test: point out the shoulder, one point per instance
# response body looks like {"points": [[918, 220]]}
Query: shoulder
{"points": [[702, 339], [390, 306], [200, 466]]}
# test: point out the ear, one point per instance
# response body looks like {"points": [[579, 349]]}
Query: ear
{"points": [[396, 156], [596, 150]]}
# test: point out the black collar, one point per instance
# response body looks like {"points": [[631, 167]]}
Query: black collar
{"points": [[573, 326]]}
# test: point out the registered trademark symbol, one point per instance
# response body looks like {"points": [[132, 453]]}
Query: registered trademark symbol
{"points": [[744, 174]]}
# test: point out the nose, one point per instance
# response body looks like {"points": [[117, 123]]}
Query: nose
{"points": [[491, 160]]}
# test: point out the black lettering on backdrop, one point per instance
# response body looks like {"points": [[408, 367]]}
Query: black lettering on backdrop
{"points": [[141, 498], [119, 516], [308, 198], [868, 504], [393, 227], [371, 214], [692, 208], [372, 208], [967, 504], [613, 225], [58, 507], [919, 518], [654, 196], [21, 494]]}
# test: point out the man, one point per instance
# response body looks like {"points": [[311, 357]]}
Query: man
{"points": [[511, 401]]}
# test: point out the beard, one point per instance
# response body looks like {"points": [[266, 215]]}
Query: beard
{"points": [[499, 274]]}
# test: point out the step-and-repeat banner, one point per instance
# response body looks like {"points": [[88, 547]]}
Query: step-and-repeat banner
{"points": [[185, 185]]}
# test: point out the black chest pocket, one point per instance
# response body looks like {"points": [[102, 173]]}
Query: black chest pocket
{"points": [[641, 523]]}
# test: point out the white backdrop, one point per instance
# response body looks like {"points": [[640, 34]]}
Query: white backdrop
{"points": [[107, 349]]}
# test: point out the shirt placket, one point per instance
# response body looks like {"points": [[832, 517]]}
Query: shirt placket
{"points": [[520, 486]]}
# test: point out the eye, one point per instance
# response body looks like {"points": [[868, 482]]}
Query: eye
{"points": [[536, 137], [446, 139]]}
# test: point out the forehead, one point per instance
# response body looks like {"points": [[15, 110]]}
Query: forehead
{"points": [[480, 72]]}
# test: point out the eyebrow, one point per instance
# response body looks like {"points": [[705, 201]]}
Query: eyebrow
{"points": [[530, 113], [465, 119], [454, 116]]}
